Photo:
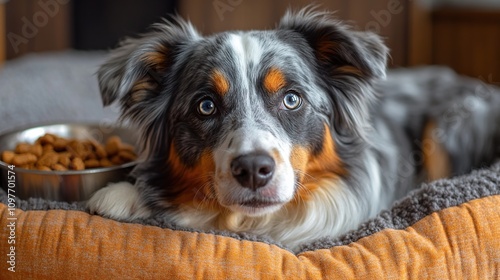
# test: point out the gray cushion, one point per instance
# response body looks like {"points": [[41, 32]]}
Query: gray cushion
{"points": [[47, 88]]}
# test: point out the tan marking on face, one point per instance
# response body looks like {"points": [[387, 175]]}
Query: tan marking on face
{"points": [[312, 169], [194, 184], [220, 83], [274, 80], [435, 156], [277, 156], [298, 158]]}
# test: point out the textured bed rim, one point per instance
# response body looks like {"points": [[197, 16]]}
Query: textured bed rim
{"points": [[422, 202], [456, 243]]}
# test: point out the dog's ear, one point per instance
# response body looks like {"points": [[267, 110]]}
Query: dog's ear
{"points": [[140, 73], [139, 67], [347, 61], [341, 50]]}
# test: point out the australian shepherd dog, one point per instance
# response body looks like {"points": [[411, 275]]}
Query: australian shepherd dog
{"points": [[287, 133]]}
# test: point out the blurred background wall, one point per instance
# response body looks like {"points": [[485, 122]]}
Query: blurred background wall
{"points": [[462, 34]]}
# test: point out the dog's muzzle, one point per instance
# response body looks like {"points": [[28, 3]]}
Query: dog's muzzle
{"points": [[253, 171]]}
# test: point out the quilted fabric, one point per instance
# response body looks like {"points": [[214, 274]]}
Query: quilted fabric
{"points": [[449, 229], [455, 243]]}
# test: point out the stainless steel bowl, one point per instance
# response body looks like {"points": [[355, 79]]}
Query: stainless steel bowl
{"points": [[63, 185]]}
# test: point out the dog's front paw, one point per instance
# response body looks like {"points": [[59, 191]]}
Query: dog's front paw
{"points": [[120, 201]]}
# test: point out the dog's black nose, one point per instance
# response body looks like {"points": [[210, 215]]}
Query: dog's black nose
{"points": [[253, 171]]}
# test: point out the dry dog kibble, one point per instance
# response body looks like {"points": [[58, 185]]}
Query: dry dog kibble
{"points": [[48, 159], [77, 164], [22, 148], [113, 145], [25, 148], [50, 152], [92, 163], [60, 144], [24, 159], [47, 149], [59, 167], [47, 139], [64, 159], [100, 151], [78, 149], [117, 160], [105, 162], [37, 150], [126, 155], [43, 168], [91, 156], [127, 147], [8, 156]]}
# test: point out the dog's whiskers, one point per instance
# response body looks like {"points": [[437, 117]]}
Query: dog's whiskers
{"points": [[301, 172]]}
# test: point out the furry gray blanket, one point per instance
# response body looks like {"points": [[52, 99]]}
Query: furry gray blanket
{"points": [[52, 88]]}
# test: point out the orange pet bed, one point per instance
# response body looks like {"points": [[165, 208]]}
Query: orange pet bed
{"points": [[449, 229]]}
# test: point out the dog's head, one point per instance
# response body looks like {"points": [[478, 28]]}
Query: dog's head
{"points": [[249, 120]]}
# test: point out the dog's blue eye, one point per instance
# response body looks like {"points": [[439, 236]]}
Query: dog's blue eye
{"points": [[292, 101], [206, 107]]}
